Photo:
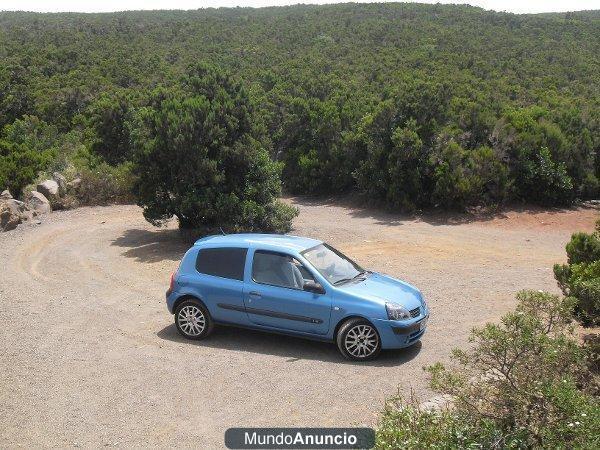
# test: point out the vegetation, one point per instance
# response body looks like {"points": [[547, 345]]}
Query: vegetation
{"points": [[580, 277], [199, 156], [525, 383], [412, 105]]}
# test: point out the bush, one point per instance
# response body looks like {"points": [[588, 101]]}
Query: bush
{"points": [[395, 158], [104, 184], [20, 165], [546, 181], [27, 146], [580, 278], [110, 118], [583, 248], [468, 178], [198, 157], [522, 384]]}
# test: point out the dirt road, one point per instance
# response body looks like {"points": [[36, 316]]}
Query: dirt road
{"points": [[90, 355]]}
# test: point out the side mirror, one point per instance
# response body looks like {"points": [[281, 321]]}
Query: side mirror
{"points": [[314, 287]]}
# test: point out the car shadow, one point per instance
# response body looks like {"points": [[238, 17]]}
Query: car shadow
{"points": [[152, 245], [254, 341]]}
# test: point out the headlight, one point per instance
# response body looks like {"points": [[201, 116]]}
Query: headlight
{"points": [[397, 312], [423, 302]]}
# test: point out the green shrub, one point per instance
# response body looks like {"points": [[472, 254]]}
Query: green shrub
{"points": [[583, 248], [199, 157], [104, 184], [521, 384], [580, 278], [27, 146], [110, 118], [19, 165], [545, 181], [395, 158], [404, 425], [468, 177]]}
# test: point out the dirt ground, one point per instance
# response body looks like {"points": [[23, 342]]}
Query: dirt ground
{"points": [[90, 356]]}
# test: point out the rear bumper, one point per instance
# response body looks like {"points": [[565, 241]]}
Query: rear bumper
{"points": [[170, 297], [396, 334]]}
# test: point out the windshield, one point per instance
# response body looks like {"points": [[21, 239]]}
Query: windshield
{"points": [[335, 267]]}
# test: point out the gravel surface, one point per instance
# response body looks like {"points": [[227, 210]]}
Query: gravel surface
{"points": [[90, 356]]}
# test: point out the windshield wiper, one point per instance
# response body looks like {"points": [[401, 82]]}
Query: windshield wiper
{"points": [[345, 280]]}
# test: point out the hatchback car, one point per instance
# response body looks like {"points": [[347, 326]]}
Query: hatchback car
{"points": [[296, 286]]}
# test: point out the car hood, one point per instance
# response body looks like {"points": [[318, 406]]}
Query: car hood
{"points": [[382, 288]]}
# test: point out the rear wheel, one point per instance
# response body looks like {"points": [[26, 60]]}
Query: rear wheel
{"points": [[358, 340], [193, 320]]}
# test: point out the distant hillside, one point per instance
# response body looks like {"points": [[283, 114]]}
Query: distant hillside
{"points": [[316, 72]]}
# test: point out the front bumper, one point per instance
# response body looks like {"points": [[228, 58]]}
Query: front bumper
{"points": [[400, 334]]}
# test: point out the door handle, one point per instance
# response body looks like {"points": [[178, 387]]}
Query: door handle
{"points": [[254, 294]]}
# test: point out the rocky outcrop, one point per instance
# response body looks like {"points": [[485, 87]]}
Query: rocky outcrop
{"points": [[38, 203], [61, 181], [10, 214], [49, 188], [51, 194]]}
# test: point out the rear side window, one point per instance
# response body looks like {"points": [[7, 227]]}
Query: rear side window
{"points": [[222, 262]]}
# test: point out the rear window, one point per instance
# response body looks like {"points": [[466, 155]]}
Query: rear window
{"points": [[222, 262]]}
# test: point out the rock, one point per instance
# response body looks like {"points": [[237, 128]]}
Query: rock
{"points": [[49, 188], [21, 205], [38, 203], [6, 195], [438, 403], [26, 215], [10, 216], [62, 183], [74, 184]]}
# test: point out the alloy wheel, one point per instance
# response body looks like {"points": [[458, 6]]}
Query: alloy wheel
{"points": [[361, 341], [191, 320]]}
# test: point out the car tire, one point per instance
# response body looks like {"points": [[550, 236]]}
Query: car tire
{"points": [[193, 320], [358, 340]]}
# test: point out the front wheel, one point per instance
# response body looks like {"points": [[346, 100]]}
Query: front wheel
{"points": [[358, 340], [193, 320]]}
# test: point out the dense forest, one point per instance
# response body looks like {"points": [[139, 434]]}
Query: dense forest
{"points": [[412, 105]]}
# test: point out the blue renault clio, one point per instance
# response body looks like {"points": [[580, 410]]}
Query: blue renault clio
{"points": [[296, 286]]}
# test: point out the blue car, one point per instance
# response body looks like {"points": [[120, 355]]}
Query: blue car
{"points": [[296, 286]]}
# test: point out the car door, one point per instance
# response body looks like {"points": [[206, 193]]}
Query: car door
{"points": [[274, 297], [220, 282]]}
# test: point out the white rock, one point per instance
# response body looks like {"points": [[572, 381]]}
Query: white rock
{"points": [[49, 188], [6, 195], [38, 203]]}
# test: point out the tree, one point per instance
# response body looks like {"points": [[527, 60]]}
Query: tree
{"points": [[111, 120], [395, 157], [198, 157]]}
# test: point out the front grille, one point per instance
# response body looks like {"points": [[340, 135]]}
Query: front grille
{"points": [[415, 312]]}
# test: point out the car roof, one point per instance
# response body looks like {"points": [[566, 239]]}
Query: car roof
{"points": [[264, 241]]}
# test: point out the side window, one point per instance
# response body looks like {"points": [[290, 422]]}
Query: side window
{"points": [[222, 262], [278, 269]]}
